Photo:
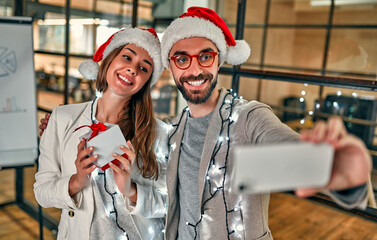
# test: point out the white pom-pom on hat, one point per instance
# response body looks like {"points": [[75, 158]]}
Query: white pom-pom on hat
{"points": [[89, 69], [238, 53]]}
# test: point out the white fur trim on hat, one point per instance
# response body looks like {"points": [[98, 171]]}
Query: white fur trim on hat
{"points": [[89, 69], [143, 39]]}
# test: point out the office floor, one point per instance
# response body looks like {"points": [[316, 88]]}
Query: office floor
{"points": [[290, 217]]}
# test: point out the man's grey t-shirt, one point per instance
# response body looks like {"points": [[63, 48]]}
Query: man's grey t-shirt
{"points": [[188, 169]]}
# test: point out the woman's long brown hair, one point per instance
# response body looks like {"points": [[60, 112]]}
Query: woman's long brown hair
{"points": [[136, 121]]}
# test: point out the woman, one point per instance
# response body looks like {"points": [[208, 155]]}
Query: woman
{"points": [[129, 200]]}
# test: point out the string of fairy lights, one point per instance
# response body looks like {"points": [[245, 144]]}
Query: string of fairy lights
{"points": [[215, 168], [111, 194], [234, 225], [114, 211]]}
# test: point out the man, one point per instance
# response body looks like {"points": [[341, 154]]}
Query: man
{"points": [[203, 137]]}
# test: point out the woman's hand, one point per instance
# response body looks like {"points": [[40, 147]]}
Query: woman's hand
{"points": [[122, 172], [84, 167]]}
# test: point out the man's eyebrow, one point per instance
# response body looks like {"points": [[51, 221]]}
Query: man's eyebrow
{"points": [[147, 62], [132, 51], [184, 52], [208, 50], [179, 52]]}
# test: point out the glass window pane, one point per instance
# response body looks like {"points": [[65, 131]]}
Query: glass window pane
{"points": [[357, 13], [79, 88], [255, 11], [103, 34], [53, 2], [84, 5], [50, 33], [353, 50], [144, 11], [249, 88], [300, 48], [359, 109], [6, 8], [297, 12], [164, 95], [254, 37], [224, 81], [230, 12], [274, 92], [81, 37], [104, 6], [50, 73]]}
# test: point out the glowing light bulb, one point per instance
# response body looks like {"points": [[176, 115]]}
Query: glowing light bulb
{"points": [[168, 127], [173, 146], [94, 174], [239, 227], [124, 236]]}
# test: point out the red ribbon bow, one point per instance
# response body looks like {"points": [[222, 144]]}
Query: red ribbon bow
{"points": [[96, 128]]}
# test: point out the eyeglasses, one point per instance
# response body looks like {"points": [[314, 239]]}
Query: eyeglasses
{"points": [[183, 61]]}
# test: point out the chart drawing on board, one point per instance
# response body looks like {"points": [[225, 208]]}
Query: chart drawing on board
{"points": [[18, 107], [8, 61], [10, 106]]}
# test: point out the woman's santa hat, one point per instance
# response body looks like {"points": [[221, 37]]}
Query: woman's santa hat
{"points": [[204, 22], [144, 38]]}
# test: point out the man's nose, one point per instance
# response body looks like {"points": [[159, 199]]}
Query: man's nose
{"points": [[195, 67]]}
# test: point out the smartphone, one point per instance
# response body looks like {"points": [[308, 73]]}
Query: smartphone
{"points": [[281, 167]]}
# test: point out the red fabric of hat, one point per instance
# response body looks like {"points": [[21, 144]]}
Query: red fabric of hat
{"points": [[212, 16]]}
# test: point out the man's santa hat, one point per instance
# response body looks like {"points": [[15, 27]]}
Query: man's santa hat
{"points": [[204, 22], [144, 38]]}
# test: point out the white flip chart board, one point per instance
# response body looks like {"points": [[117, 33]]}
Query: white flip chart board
{"points": [[18, 108]]}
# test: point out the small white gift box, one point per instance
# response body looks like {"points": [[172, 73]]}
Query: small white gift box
{"points": [[105, 143]]}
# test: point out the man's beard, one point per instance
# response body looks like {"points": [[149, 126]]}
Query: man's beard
{"points": [[194, 96]]}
